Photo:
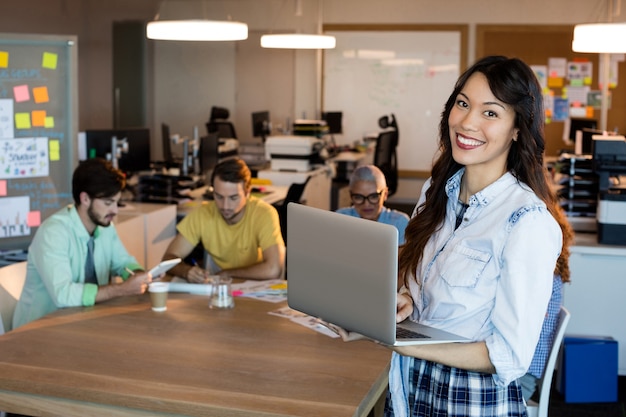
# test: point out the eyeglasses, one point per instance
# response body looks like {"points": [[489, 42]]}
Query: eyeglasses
{"points": [[373, 198]]}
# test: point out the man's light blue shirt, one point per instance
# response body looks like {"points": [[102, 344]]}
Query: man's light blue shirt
{"points": [[388, 216], [56, 266]]}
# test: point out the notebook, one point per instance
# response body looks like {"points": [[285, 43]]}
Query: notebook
{"points": [[343, 270]]}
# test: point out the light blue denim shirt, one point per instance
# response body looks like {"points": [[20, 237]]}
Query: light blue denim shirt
{"points": [[388, 216], [55, 274], [491, 278]]}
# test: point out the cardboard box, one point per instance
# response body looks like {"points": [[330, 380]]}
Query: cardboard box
{"points": [[588, 369]]}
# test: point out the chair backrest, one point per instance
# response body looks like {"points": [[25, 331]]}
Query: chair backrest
{"points": [[294, 194], [223, 129], [386, 159], [545, 383], [12, 279]]}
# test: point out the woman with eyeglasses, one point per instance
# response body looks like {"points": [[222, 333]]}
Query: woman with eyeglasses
{"points": [[368, 193]]}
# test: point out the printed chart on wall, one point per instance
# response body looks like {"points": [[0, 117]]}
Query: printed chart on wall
{"points": [[373, 73], [37, 117]]}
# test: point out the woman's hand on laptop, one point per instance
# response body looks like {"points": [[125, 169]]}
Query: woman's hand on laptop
{"points": [[404, 306], [345, 335]]}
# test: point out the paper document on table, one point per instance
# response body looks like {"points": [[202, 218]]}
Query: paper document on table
{"points": [[272, 290], [303, 320], [181, 285]]}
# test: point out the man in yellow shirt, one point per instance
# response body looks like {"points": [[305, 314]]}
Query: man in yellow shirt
{"points": [[241, 233]]}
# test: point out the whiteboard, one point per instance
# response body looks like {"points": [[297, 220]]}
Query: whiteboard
{"points": [[408, 73], [38, 129]]}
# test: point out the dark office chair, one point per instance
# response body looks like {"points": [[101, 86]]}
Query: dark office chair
{"points": [[294, 194], [219, 124], [335, 126], [385, 155]]}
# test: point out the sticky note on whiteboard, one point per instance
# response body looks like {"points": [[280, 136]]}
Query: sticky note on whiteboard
{"points": [[40, 94], [38, 117], [49, 60], [22, 120], [4, 59], [20, 93], [34, 218], [55, 150]]}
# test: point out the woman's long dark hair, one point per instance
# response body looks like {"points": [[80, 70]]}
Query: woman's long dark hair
{"points": [[514, 83]]}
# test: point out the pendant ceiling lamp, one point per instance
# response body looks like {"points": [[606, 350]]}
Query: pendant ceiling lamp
{"points": [[607, 38], [196, 29], [604, 39], [300, 40]]}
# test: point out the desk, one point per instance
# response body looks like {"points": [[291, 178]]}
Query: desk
{"points": [[595, 296], [119, 358]]}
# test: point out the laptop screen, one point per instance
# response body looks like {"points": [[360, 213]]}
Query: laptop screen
{"points": [[343, 270]]}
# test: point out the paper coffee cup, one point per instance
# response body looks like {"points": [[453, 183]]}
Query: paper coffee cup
{"points": [[158, 295]]}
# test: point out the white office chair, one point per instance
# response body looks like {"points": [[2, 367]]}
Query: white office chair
{"points": [[540, 409], [12, 279]]}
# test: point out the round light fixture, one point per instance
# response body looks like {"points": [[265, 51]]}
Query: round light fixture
{"points": [[196, 30], [608, 38]]}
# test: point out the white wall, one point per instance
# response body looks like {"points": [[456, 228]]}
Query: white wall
{"points": [[91, 21], [185, 79]]}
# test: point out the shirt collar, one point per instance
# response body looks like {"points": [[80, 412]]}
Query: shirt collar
{"points": [[484, 196], [82, 232]]}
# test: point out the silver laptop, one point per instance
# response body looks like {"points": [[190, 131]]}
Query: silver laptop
{"points": [[344, 270]]}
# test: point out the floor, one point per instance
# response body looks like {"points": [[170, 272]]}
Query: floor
{"points": [[558, 408]]}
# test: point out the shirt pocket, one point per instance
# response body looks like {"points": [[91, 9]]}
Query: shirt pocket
{"points": [[464, 266]]}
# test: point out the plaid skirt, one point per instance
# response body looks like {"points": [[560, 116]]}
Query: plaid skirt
{"points": [[436, 390]]}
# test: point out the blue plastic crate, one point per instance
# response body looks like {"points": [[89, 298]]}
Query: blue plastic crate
{"points": [[588, 369]]}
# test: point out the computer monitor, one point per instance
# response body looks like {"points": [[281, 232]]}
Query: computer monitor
{"points": [[98, 144], [333, 120], [261, 126], [584, 143], [580, 124]]}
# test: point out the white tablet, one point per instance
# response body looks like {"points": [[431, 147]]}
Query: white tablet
{"points": [[163, 267]]}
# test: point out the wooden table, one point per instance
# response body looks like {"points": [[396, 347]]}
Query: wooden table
{"points": [[120, 358]]}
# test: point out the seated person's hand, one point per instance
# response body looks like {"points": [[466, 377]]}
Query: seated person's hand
{"points": [[346, 335], [196, 275], [138, 283]]}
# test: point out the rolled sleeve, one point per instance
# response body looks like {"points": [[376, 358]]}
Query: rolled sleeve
{"points": [[528, 261]]}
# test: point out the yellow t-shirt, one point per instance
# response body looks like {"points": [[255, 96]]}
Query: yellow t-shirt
{"points": [[233, 246]]}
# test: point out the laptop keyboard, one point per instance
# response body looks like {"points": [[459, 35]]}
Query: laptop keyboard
{"points": [[402, 333]]}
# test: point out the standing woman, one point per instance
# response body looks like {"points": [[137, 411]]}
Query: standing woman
{"points": [[485, 239]]}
